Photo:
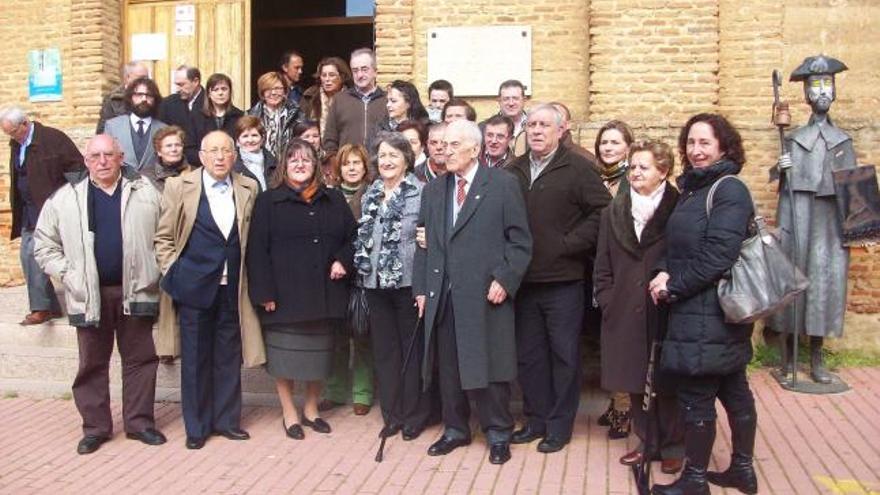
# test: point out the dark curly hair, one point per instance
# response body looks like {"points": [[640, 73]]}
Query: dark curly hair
{"points": [[729, 140], [152, 89]]}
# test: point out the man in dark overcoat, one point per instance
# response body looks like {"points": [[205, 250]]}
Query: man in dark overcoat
{"points": [[465, 276]]}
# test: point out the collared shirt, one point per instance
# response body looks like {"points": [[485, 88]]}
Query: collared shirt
{"points": [[519, 126], [366, 97], [494, 162], [469, 177], [192, 99], [134, 121], [22, 150], [537, 165], [222, 206]]}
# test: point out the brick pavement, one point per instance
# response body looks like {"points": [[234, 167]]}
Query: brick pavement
{"points": [[806, 445]]}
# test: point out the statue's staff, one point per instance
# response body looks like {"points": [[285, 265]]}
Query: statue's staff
{"points": [[782, 119]]}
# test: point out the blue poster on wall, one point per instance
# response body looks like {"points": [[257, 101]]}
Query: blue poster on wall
{"points": [[44, 75]]}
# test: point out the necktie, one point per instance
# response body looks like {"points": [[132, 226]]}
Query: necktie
{"points": [[221, 187], [459, 193], [140, 127]]}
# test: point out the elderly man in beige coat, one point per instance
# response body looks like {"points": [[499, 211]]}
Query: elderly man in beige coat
{"points": [[200, 245]]}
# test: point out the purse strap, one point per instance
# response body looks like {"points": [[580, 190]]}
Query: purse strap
{"points": [[757, 222]]}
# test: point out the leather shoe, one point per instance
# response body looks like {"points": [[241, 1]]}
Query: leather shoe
{"points": [[234, 434], [389, 430], [499, 453], [327, 404], [671, 466], [39, 317], [411, 433], [150, 436], [525, 435], [89, 444], [632, 458], [317, 424], [294, 431], [551, 443], [359, 409], [195, 443], [446, 445]]}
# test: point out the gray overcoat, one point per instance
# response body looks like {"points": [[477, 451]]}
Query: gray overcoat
{"points": [[816, 151], [489, 241]]}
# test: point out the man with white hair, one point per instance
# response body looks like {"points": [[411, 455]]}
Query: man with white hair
{"points": [[113, 104], [466, 272], [564, 198], [39, 158]]}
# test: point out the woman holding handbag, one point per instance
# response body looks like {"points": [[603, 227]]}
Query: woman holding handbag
{"points": [[631, 241], [707, 355], [384, 251]]}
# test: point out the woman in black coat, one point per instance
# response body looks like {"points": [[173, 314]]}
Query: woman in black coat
{"points": [[299, 260], [631, 242], [217, 114], [707, 355]]}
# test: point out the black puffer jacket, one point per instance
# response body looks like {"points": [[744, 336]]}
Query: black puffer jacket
{"points": [[699, 252]]}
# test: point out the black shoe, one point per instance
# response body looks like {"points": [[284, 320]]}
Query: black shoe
{"points": [[294, 431], [552, 443], [195, 443], [389, 430], [691, 482], [234, 434], [411, 433], [446, 445], [740, 475], [316, 424], [89, 444], [150, 436], [327, 404], [499, 453], [525, 435]]}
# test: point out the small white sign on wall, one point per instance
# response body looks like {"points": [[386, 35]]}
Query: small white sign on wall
{"points": [[149, 46], [185, 20], [476, 60]]}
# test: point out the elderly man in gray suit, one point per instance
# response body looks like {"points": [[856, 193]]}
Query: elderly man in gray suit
{"points": [[471, 258], [134, 131]]}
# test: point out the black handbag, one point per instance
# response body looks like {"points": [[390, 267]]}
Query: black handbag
{"points": [[358, 312], [763, 280]]}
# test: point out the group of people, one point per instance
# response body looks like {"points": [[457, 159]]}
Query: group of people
{"points": [[479, 248]]}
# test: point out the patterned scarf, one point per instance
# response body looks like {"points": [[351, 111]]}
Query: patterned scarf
{"points": [[390, 263]]}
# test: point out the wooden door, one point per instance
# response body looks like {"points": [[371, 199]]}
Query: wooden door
{"points": [[220, 40]]}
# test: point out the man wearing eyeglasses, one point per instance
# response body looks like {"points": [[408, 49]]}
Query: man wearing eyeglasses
{"points": [[95, 235], [134, 131], [200, 245], [39, 158], [357, 111]]}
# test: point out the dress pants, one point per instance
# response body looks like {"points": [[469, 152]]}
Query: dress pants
{"points": [[663, 424], [393, 320], [91, 387], [41, 292], [210, 359], [493, 402], [549, 317], [697, 394]]}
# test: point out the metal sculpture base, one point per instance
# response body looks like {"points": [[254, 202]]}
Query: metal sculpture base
{"points": [[806, 385]]}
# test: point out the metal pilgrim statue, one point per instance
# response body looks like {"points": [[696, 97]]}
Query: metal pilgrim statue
{"points": [[813, 175]]}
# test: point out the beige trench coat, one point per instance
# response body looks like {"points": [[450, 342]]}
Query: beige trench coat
{"points": [[180, 204]]}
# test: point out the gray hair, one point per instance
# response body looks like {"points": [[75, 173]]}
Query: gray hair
{"points": [[397, 141], [437, 128], [470, 130], [364, 51], [192, 73], [130, 67], [12, 114], [549, 108]]}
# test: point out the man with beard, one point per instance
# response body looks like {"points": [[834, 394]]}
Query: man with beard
{"points": [[113, 104], [134, 131]]}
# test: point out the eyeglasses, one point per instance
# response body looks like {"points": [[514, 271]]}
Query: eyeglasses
{"points": [[218, 152], [454, 145], [356, 70], [276, 90]]}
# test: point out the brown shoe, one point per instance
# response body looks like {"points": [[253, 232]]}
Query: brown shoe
{"points": [[327, 404], [39, 317], [360, 409], [632, 458], [670, 466]]}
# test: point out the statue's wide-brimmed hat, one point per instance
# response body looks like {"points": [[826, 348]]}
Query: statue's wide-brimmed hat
{"points": [[818, 65]]}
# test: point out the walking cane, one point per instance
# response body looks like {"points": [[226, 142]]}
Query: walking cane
{"points": [[642, 470], [785, 174], [384, 433]]}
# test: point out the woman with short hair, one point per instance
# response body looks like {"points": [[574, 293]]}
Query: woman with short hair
{"points": [[253, 159]]}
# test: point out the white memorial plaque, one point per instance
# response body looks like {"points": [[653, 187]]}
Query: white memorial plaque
{"points": [[476, 60], [149, 46]]}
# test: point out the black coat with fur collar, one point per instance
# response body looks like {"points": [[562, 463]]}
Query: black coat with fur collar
{"points": [[624, 266]]}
